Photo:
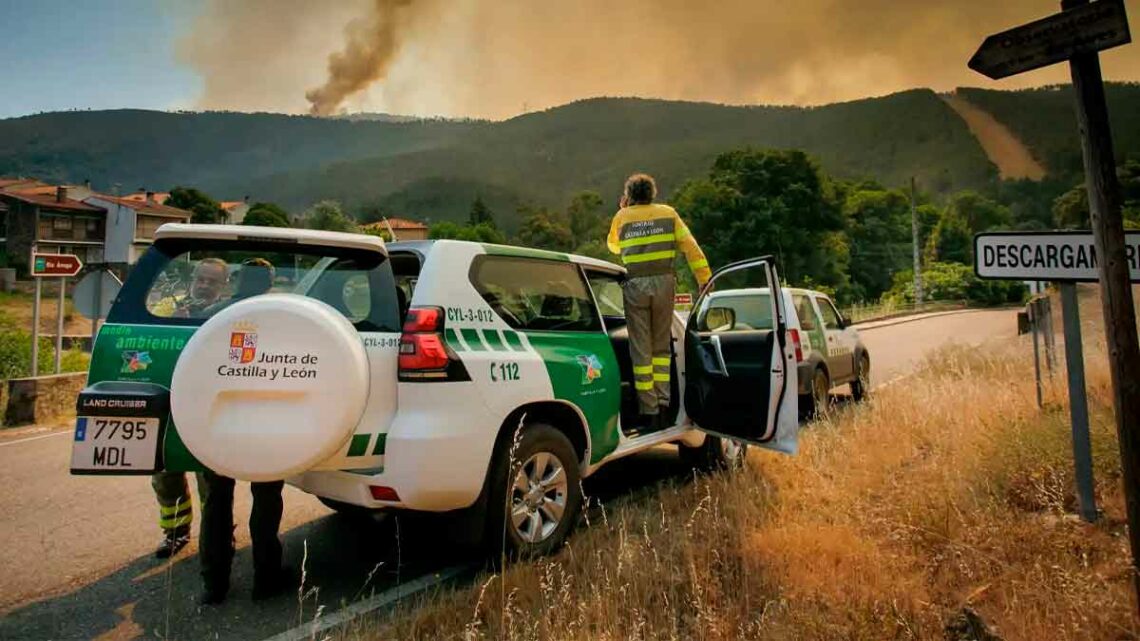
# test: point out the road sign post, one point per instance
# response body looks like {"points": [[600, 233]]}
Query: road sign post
{"points": [[59, 322], [1067, 258], [1035, 323], [59, 266], [36, 329], [1077, 34], [1078, 401]]}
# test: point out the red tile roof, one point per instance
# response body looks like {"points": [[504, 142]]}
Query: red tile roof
{"points": [[48, 201], [144, 207], [160, 197], [18, 184]]}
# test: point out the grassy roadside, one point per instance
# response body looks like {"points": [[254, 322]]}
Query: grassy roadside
{"points": [[950, 491], [16, 339]]}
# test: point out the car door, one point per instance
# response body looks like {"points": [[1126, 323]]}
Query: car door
{"points": [[840, 350], [740, 367]]}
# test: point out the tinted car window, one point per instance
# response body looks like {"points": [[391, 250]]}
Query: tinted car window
{"points": [[830, 316], [185, 282], [805, 312], [536, 294], [607, 291], [753, 310]]}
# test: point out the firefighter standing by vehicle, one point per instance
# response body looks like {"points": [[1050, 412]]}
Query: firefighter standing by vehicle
{"points": [[647, 236], [170, 488]]}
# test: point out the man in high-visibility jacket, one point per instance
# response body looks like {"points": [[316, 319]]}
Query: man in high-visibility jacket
{"points": [[647, 236]]}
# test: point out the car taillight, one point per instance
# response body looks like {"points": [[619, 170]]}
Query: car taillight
{"points": [[423, 319], [381, 493], [795, 334], [424, 354]]}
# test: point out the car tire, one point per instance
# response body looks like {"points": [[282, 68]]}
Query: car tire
{"points": [[535, 494], [819, 399], [861, 386], [716, 454]]}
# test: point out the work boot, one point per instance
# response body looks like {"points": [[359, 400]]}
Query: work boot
{"points": [[270, 584], [647, 422], [171, 544]]}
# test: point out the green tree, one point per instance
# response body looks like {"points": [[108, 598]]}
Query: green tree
{"points": [[266, 215], [481, 233], [758, 202], [1071, 209], [953, 282], [979, 212], [327, 215], [951, 240], [543, 229], [480, 214], [879, 238], [204, 209], [598, 249], [585, 218]]}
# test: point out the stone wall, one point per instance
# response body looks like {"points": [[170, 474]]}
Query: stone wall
{"points": [[40, 399]]}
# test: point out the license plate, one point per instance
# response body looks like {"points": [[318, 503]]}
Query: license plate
{"points": [[118, 445]]}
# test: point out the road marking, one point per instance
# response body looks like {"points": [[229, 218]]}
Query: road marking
{"points": [[35, 438], [312, 629], [900, 377]]}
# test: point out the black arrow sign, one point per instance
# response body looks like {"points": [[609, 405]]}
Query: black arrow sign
{"points": [[1087, 29]]}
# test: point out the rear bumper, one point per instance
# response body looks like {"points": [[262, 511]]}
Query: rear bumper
{"points": [[435, 462]]}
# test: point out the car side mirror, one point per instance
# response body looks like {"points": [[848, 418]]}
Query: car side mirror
{"points": [[720, 319]]}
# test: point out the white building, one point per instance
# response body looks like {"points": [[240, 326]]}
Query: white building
{"points": [[131, 224]]}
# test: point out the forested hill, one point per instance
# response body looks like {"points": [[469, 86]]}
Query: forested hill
{"points": [[434, 169], [158, 150], [1045, 121]]}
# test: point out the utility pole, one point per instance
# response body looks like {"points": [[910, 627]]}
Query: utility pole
{"points": [[1115, 288], [915, 242]]}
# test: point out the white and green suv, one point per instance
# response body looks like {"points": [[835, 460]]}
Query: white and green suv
{"points": [[432, 376]]}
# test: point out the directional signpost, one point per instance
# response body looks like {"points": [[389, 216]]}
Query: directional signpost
{"points": [[1067, 258], [1076, 34], [61, 266], [1087, 28]]}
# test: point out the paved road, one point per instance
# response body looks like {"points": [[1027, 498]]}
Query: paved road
{"points": [[76, 551], [897, 348]]}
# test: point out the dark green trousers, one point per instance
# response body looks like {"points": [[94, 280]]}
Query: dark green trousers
{"points": [[216, 537]]}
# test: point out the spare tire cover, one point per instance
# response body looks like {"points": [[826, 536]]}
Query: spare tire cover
{"points": [[269, 387]]}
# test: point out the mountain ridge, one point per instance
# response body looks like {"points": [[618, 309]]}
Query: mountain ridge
{"points": [[434, 168]]}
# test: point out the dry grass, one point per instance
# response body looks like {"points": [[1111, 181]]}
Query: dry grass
{"points": [[948, 491]]}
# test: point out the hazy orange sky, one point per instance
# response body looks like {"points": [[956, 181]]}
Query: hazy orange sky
{"points": [[497, 58]]}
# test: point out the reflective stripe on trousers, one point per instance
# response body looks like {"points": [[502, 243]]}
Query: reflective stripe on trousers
{"points": [[649, 316], [174, 506]]}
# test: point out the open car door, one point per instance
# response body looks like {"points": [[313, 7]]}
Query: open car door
{"points": [[740, 379]]}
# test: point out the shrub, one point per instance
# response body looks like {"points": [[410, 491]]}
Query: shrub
{"points": [[954, 281], [16, 356]]}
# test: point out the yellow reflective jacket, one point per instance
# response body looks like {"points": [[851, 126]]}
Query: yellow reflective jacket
{"points": [[648, 236]]}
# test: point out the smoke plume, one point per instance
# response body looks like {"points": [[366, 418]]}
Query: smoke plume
{"points": [[497, 58], [371, 44]]}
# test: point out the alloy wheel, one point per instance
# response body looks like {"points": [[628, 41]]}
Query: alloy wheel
{"points": [[538, 497]]}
